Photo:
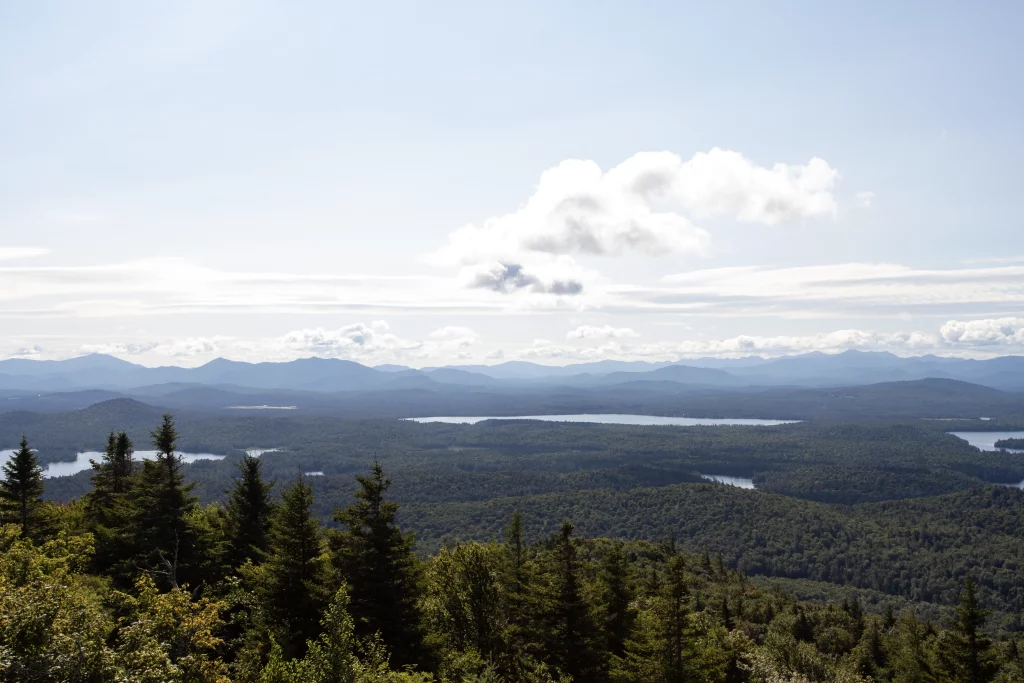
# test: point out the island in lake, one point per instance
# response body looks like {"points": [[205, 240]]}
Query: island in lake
{"points": [[1010, 443]]}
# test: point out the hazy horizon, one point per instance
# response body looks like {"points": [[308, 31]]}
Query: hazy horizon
{"points": [[183, 362]]}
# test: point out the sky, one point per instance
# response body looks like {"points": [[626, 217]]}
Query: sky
{"points": [[465, 182]]}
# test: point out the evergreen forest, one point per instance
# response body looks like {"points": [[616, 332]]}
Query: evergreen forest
{"points": [[137, 579]]}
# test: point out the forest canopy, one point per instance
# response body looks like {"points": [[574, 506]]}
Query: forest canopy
{"points": [[138, 580]]}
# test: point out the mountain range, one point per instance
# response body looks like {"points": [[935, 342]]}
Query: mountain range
{"points": [[851, 368]]}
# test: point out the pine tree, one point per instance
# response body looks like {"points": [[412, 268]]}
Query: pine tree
{"points": [[965, 653], [109, 508], [674, 626], [660, 648], [163, 501], [516, 579], [296, 569], [705, 560], [909, 655], [571, 635], [21, 489], [616, 598], [871, 657], [249, 513], [856, 613], [377, 561], [890, 618]]}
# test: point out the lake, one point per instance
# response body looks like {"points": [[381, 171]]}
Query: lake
{"points": [[986, 441], [613, 419], [257, 452], [741, 482], [81, 462], [263, 407]]}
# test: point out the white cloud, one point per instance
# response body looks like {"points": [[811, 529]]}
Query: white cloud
{"points": [[604, 332], [453, 332], [167, 287], [376, 343], [119, 348], [640, 205], [865, 198], [10, 253], [170, 286], [34, 352], [455, 337], [863, 289], [186, 347], [357, 340], [997, 331], [559, 276], [829, 342]]}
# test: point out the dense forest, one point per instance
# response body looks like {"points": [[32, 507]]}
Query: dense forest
{"points": [[138, 581], [1010, 443], [822, 461], [902, 509]]}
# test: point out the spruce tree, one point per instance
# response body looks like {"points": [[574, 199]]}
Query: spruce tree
{"points": [[377, 561], [966, 653], [660, 649], [616, 598], [249, 513], [674, 623], [109, 508], [21, 489], [516, 578], [296, 569], [910, 657], [571, 634], [164, 545], [872, 659]]}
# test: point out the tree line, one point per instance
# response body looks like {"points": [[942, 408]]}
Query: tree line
{"points": [[139, 582]]}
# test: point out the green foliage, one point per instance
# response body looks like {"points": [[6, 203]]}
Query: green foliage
{"points": [[965, 652], [915, 548], [295, 573], [100, 596], [163, 540], [661, 649], [21, 490], [570, 636], [110, 507], [249, 512], [376, 559]]}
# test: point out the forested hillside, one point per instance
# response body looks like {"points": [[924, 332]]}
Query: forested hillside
{"points": [[137, 581]]}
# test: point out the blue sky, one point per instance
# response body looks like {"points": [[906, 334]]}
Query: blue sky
{"points": [[181, 181]]}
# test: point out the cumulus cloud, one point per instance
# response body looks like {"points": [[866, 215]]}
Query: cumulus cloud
{"points": [[33, 352], [989, 332], [375, 343], [510, 277], [10, 253], [604, 332], [351, 340], [455, 337], [829, 342], [186, 347], [642, 205], [119, 348], [453, 332]]}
